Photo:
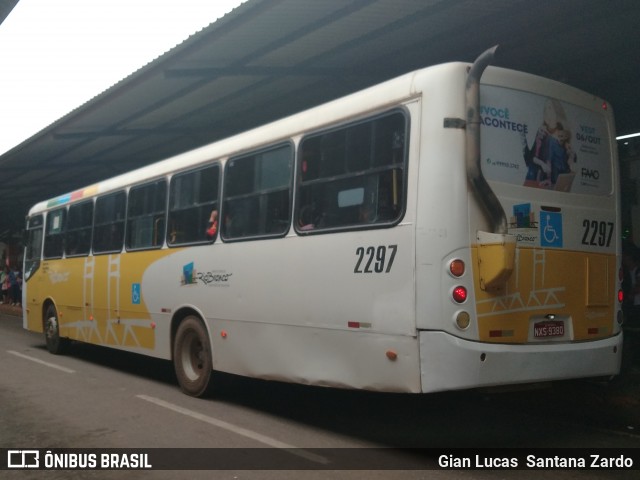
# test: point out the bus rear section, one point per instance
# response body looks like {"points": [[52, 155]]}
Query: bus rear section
{"points": [[534, 295]]}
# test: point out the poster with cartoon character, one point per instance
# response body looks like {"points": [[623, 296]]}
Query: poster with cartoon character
{"points": [[541, 142]]}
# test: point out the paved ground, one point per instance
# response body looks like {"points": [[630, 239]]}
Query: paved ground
{"points": [[619, 396], [10, 310]]}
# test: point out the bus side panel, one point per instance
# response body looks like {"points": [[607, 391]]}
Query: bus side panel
{"points": [[442, 225], [98, 299], [318, 356], [56, 281], [64, 287], [313, 309]]}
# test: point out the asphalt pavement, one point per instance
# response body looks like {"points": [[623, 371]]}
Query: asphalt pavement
{"points": [[618, 398]]}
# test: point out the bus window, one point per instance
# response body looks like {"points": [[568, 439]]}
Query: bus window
{"points": [[108, 234], [353, 176], [193, 197], [146, 215], [54, 234], [79, 224], [257, 194], [33, 247]]}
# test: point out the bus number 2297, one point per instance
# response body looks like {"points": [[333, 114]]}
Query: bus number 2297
{"points": [[375, 259], [597, 233]]}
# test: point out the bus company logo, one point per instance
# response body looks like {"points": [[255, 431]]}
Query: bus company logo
{"points": [[523, 217], [23, 459], [58, 277], [213, 278], [188, 275], [529, 237]]}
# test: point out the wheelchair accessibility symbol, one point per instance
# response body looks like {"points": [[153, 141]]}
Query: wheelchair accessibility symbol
{"points": [[550, 229], [135, 293]]}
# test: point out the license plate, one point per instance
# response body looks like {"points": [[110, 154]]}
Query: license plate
{"points": [[548, 329]]}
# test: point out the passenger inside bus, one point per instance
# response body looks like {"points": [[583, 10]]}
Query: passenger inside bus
{"points": [[212, 224]]}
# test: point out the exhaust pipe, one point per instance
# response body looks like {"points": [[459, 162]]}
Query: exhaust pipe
{"points": [[496, 249], [488, 200]]}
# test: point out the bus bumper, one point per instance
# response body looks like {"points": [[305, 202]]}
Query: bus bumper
{"points": [[451, 363]]}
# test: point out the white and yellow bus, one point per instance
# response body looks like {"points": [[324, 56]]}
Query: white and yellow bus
{"points": [[452, 228]]}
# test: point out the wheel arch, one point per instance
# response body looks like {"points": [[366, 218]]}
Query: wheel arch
{"points": [[43, 312], [178, 317]]}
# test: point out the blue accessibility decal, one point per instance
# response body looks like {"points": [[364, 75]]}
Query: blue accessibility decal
{"points": [[551, 229], [135, 293]]}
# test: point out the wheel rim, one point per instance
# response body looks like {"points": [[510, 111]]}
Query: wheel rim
{"points": [[193, 356], [52, 328]]}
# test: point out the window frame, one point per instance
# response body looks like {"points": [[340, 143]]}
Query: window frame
{"points": [[69, 230], [260, 193], [32, 255], [59, 236], [155, 215], [215, 203], [115, 221], [346, 175]]}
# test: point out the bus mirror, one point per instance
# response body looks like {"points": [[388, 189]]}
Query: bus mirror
{"points": [[496, 259]]}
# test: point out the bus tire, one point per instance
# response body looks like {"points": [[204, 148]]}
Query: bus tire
{"points": [[55, 344], [192, 358]]}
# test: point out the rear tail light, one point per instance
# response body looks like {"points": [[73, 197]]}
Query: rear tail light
{"points": [[459, 294], [463, 319], [456, 267]]}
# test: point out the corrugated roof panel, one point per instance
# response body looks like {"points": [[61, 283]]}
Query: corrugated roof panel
{"points": [[336, 29], [268, 59], [198, 97]]}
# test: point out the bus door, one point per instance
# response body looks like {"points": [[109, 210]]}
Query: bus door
{"points": [[32, 274]]}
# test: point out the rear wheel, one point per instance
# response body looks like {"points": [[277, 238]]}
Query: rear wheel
{"points": [[192, 357], [55, 344]]}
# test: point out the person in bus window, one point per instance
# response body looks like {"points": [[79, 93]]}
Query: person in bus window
{"points": [[212, 225], [306, 219]]}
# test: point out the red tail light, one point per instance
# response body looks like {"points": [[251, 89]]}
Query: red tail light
{"points": [[459, 294]]}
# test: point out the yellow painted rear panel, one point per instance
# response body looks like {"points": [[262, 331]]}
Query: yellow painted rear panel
{"points": [[575, 285]]}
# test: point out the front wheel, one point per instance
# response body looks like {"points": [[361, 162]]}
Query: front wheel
{"points": [[192, 357], [55, 344]]}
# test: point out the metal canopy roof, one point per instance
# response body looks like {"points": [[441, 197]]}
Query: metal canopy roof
{"points": [[270, 58], [5, 8]]}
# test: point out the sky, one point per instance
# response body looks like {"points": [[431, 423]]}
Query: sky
{"points": [[55, 55]]}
